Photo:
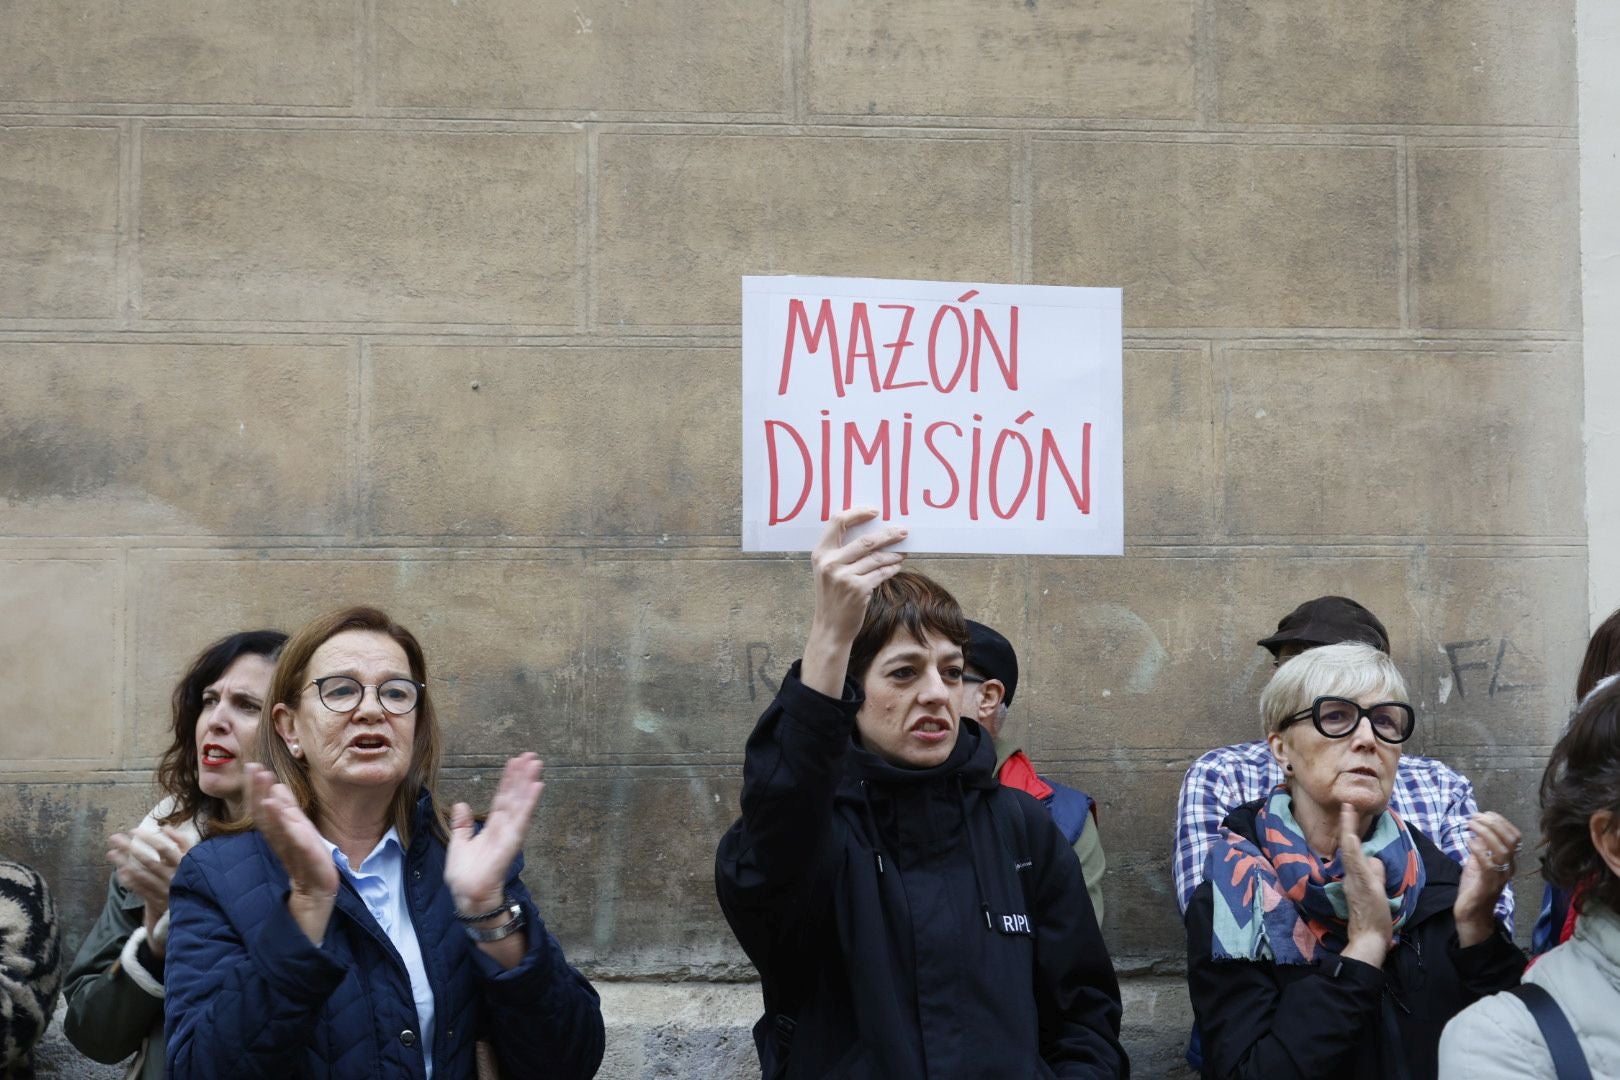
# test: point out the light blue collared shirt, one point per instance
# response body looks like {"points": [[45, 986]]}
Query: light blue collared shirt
{"points": [[380, 881]]}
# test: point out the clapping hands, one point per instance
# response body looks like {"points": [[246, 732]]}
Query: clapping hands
{"points": [[145, 863], [477, 863], [296, 842], [1493, 851], [1372, 924]]}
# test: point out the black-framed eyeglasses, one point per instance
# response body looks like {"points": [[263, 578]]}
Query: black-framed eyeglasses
{"points": [[1336, 717], [340, 693]]}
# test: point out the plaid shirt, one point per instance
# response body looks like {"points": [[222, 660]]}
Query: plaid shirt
{"points": [[1432, 798]]}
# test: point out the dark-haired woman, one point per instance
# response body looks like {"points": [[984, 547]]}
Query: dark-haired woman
{"points": [[908, 915], [115, 986], [1556, 921], [1497, 1038]]}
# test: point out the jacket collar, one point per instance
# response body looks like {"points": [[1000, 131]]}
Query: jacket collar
{"points": [[1599, 927], [972, 761], [1017, 771]]}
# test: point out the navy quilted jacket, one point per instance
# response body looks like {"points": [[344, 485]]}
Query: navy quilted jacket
{"points": [[248, 995]]}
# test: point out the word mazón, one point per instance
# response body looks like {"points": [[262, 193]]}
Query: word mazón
{"points": [[993, 467]]}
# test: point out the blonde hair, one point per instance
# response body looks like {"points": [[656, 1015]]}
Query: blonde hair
{"points": [[1349, 670]]}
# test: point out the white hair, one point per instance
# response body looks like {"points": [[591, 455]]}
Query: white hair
{"points": [[1349, 670]]}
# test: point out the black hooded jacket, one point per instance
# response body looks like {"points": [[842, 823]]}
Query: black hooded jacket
{"points": [[909, 922], [1341, 1019]]}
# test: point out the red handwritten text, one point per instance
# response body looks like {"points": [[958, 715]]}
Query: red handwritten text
{"points": [[955, 345]]}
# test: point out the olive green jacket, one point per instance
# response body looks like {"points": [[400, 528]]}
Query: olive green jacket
{"points": [[114, 1005], [110, 1016]]}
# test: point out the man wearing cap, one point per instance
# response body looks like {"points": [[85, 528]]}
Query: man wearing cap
{"points": [[991, 677], [1428, 795]]}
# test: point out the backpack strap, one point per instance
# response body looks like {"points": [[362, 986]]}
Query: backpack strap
{"points": [[1568, 1058]]}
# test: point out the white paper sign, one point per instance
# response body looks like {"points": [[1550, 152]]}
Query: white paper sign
{"points": [[985, 418]]}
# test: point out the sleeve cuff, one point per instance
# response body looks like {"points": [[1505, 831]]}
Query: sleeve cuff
{"points": [[815, 710], [536, 942], [137, 961], [160, 932], [539, 972], [1484, 957], [1358, 973]]}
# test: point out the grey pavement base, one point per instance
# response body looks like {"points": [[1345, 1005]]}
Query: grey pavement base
{"points": [[658, 1030]]}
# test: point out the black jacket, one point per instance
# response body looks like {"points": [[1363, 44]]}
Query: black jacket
{"points": [[1341, 1017], [909, 922]]}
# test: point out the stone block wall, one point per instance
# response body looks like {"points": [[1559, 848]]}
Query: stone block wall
{"points": [[434, 304]]}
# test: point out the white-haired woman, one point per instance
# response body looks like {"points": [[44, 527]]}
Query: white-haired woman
{"points": [[1329, 938]]}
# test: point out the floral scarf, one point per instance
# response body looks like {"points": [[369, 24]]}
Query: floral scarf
{"points": [[1275, 900]]}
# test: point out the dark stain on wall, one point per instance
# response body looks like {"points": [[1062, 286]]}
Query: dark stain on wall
{"points": [[42, 459]]}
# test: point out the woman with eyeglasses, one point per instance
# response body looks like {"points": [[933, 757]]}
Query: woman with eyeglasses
{"points": [[355, 929], [115, 986], [1329, 938]]}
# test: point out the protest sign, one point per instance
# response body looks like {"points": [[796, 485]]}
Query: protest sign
{"points": [[985, 418]]}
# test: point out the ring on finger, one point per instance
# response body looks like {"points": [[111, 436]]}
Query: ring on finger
{"points": [[1503, 868]]}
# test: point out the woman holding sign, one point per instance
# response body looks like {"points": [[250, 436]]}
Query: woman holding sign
{"points": [[908, 915]]}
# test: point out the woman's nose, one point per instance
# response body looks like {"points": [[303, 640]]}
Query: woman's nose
{"points": [[1362, 734], [370, 706]]}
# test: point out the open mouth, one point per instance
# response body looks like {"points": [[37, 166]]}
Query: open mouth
{"points": [[214, 755], [368, 743], [931, 730]]}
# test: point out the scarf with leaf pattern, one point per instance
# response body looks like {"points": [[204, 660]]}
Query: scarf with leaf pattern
{"points": [[1276, 901]]}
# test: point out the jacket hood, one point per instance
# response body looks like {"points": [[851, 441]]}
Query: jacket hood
{"points": [[972, 761]]}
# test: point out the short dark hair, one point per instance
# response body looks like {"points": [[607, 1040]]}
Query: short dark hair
{"points": [[1602, 656], [1582, 779], [177, 770], [911, 602]]}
